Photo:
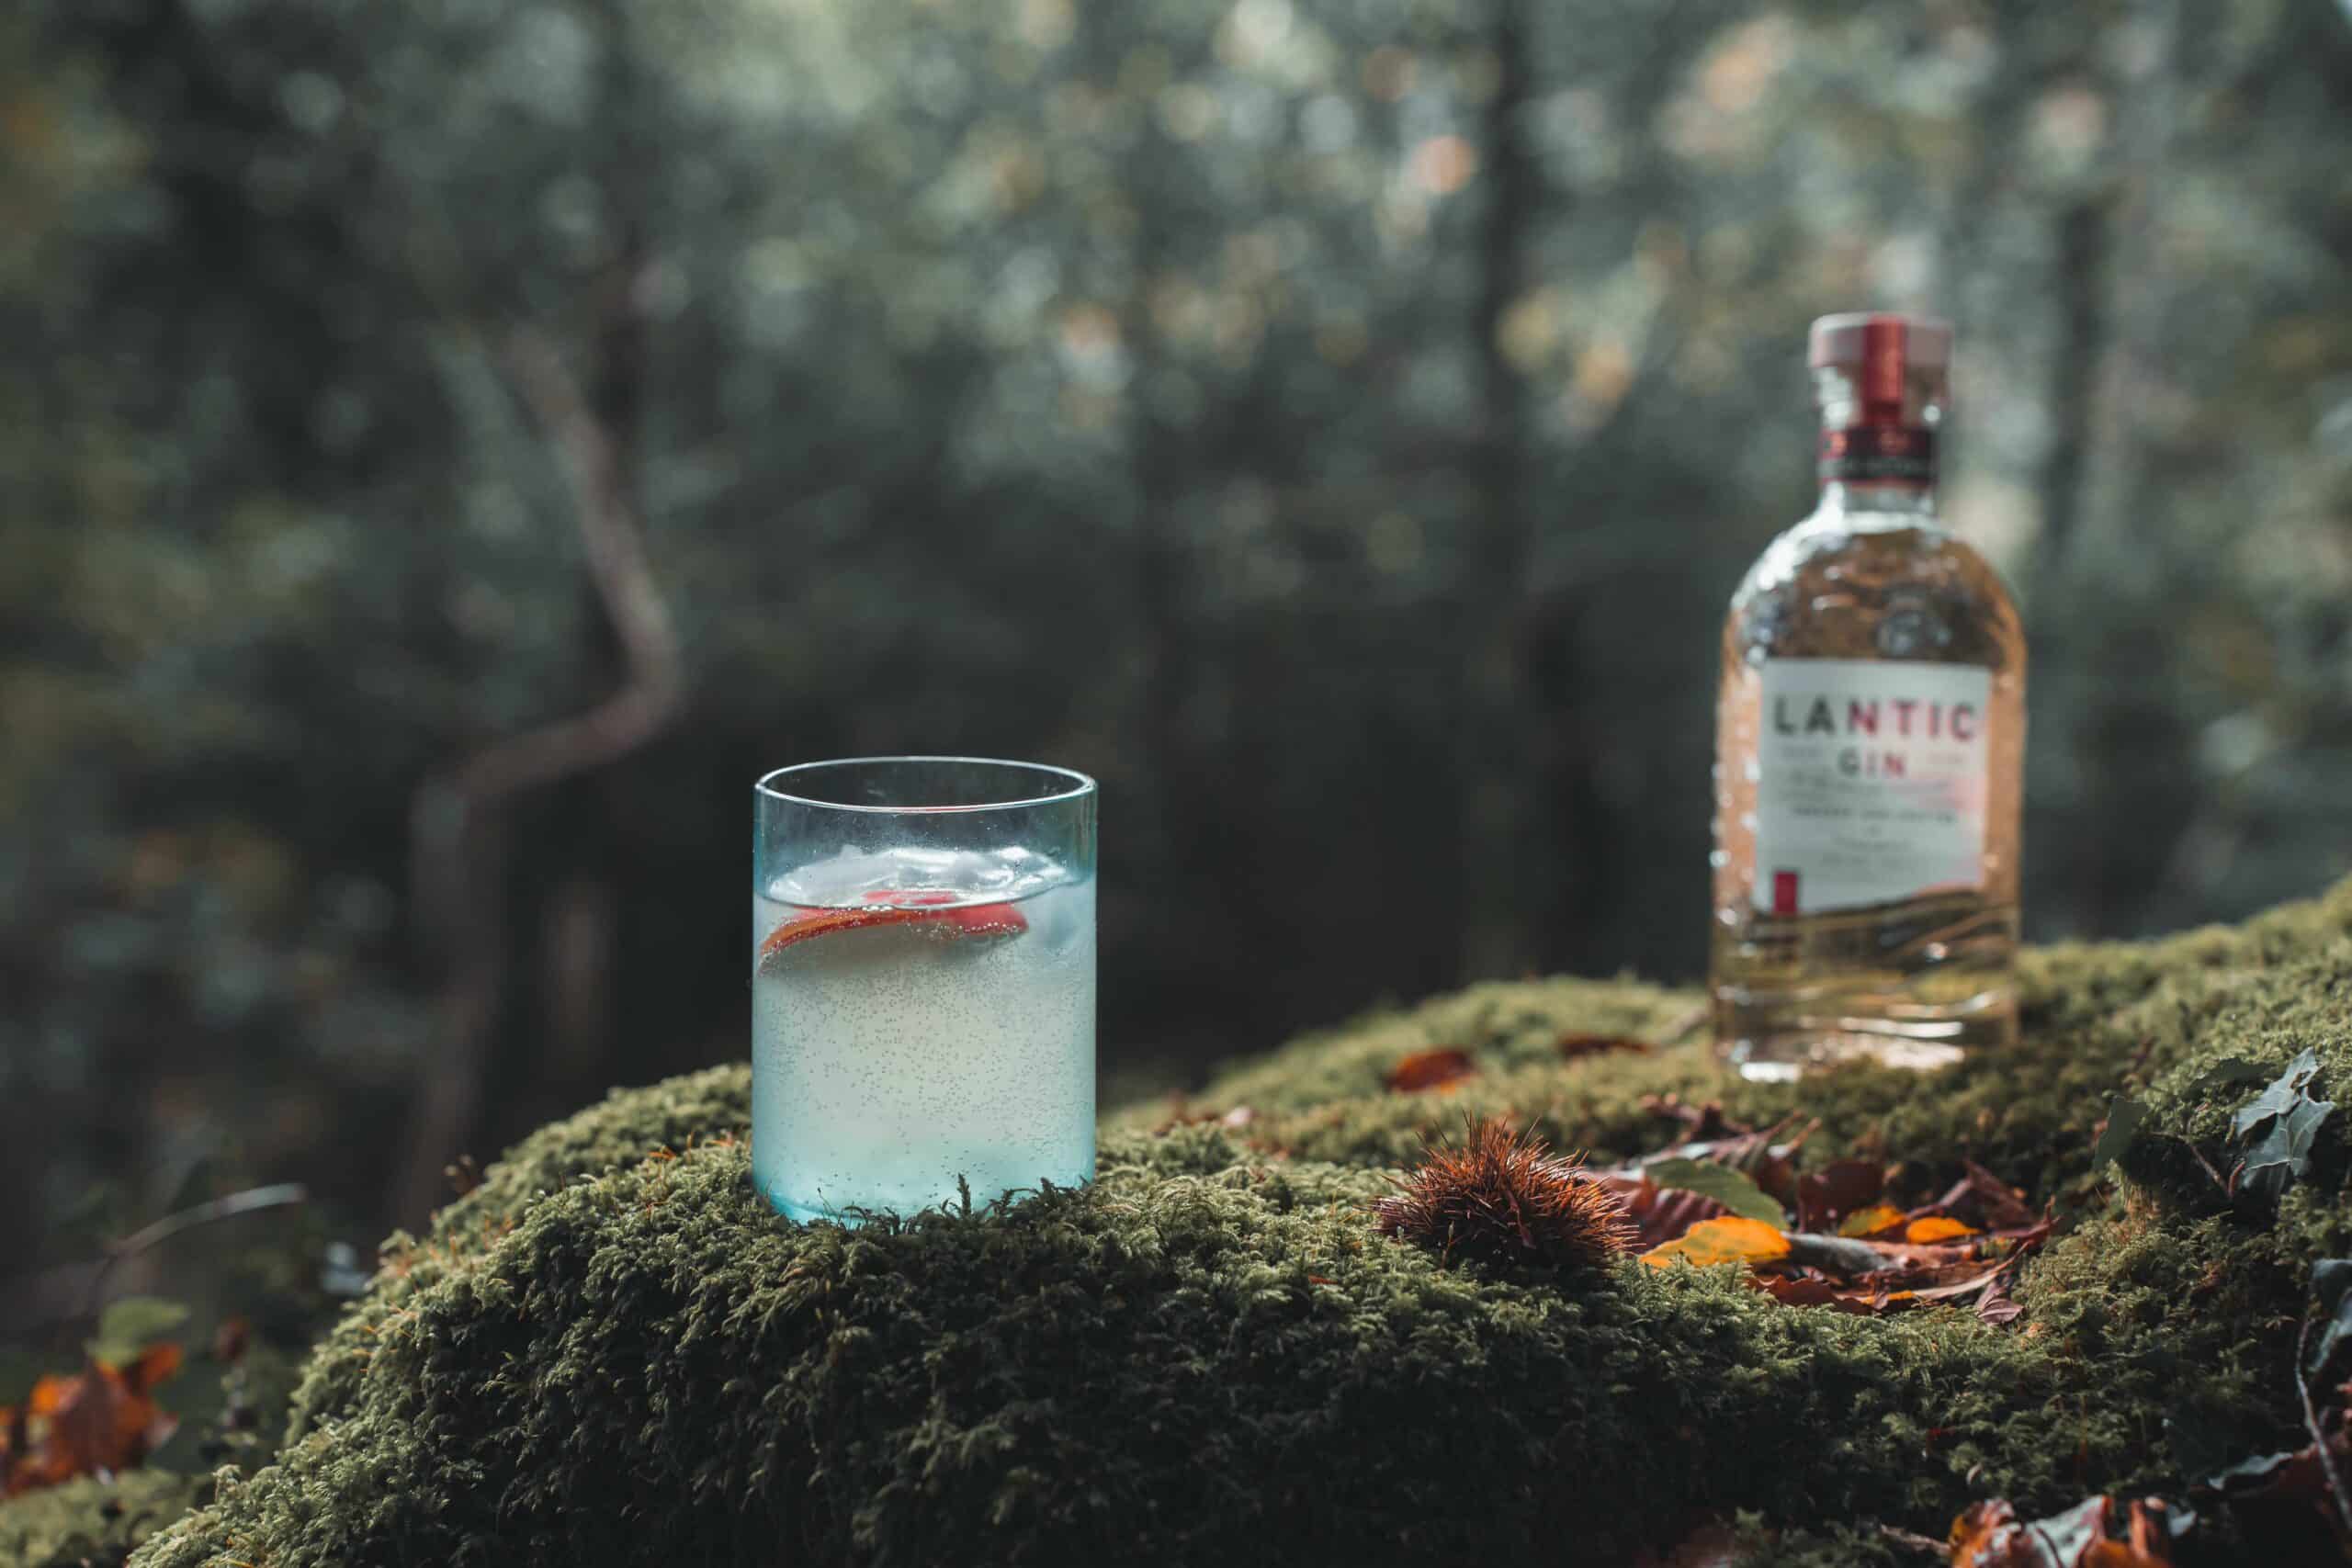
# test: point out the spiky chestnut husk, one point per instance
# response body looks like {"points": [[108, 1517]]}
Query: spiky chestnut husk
{"points": [[1502, 1196]]}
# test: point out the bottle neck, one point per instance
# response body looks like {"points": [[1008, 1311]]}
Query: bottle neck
{"points": [[1907, 499]]}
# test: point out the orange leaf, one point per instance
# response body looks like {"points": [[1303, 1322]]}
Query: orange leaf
{"points": [[1935, 1228], [157, 1364], [1731, 1239], [1430, 1069], [1871, 1221], [96, 1419]]}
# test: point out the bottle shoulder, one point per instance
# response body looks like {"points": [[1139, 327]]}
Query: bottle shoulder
{"points": [[1840, 585]]}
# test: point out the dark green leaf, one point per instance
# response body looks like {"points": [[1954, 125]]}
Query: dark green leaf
{"points": [[2229, 1073], [2123, 1118], [2283, 1153], [2282, 1095], [1733, 1188], [2332, 1283]]}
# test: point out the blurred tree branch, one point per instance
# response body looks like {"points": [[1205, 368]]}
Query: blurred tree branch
{"points": [[454, 848]]}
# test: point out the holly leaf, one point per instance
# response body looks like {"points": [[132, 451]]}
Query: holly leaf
{"points": [[2282, 1095], [2332, 1283], [2283, 1153], [2122, 1124], [1734, 1190]]}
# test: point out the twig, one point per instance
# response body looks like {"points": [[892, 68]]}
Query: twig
{"points": [[2200, 1154], [1911, 1541], [2311, 1424], [285, 1195], [1680, 1029]]}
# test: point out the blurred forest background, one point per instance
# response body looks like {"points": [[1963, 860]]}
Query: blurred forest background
{"points": [[452, 447]]}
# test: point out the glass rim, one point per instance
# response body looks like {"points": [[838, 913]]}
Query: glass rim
{"points": [[1079, 786]]}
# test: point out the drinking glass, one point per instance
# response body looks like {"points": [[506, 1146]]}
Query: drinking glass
{"points": [[922, 983]]}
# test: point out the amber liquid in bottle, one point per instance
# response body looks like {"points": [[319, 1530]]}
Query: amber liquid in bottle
{"points": [[1869, 746]]}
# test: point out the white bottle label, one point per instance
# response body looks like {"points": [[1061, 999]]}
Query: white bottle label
{"points": [[1873, 781]]}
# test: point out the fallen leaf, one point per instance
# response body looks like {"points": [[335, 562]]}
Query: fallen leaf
{"points": [[2229, 1073], [2280, 1095], [99, 1418], [1997, 1205], [2332, 1283], [1935, 1228], [1734, 1190], [2277, 1129], [1996, 1306], [2283, 1154], [1871, 1221], [2115, 1135], [1572, 1046], [1729, 1239], [1808, 1290], [1990, 1535], [1826, 1196], [1430, 1069], [1706, 1121], [1658, 1216]]}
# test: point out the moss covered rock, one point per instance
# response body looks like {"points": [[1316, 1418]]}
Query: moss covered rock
{"points": [[612, 1351]]}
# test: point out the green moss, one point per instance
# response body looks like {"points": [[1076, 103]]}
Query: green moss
{"points": [[611, 1351], [89, 1522]]}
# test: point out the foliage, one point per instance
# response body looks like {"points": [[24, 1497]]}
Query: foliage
{"points": [[1212, 1350]]}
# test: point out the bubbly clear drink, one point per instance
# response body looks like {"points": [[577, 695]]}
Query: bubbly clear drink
{"points": [[1869, 745], [922, 1026]]}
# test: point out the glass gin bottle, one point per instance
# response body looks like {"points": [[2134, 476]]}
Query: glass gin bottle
{"points": [[1869, 741]]}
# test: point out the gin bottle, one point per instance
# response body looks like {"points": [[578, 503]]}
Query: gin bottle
{"points": [[1869, 739]]}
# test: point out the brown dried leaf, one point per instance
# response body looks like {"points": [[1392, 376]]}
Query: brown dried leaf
{"points": [[1996, 1306], [1573, 1046], [1659, 1213], [1430, 1069], [1992, 1202], [1826, 1196], [96, 1419], [1990, 1535]]}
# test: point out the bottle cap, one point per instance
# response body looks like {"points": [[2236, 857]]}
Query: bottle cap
{"points": [[1882, 349]]}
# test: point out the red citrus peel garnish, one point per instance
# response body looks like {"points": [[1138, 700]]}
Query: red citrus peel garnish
{"points": [[888, 906]]}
